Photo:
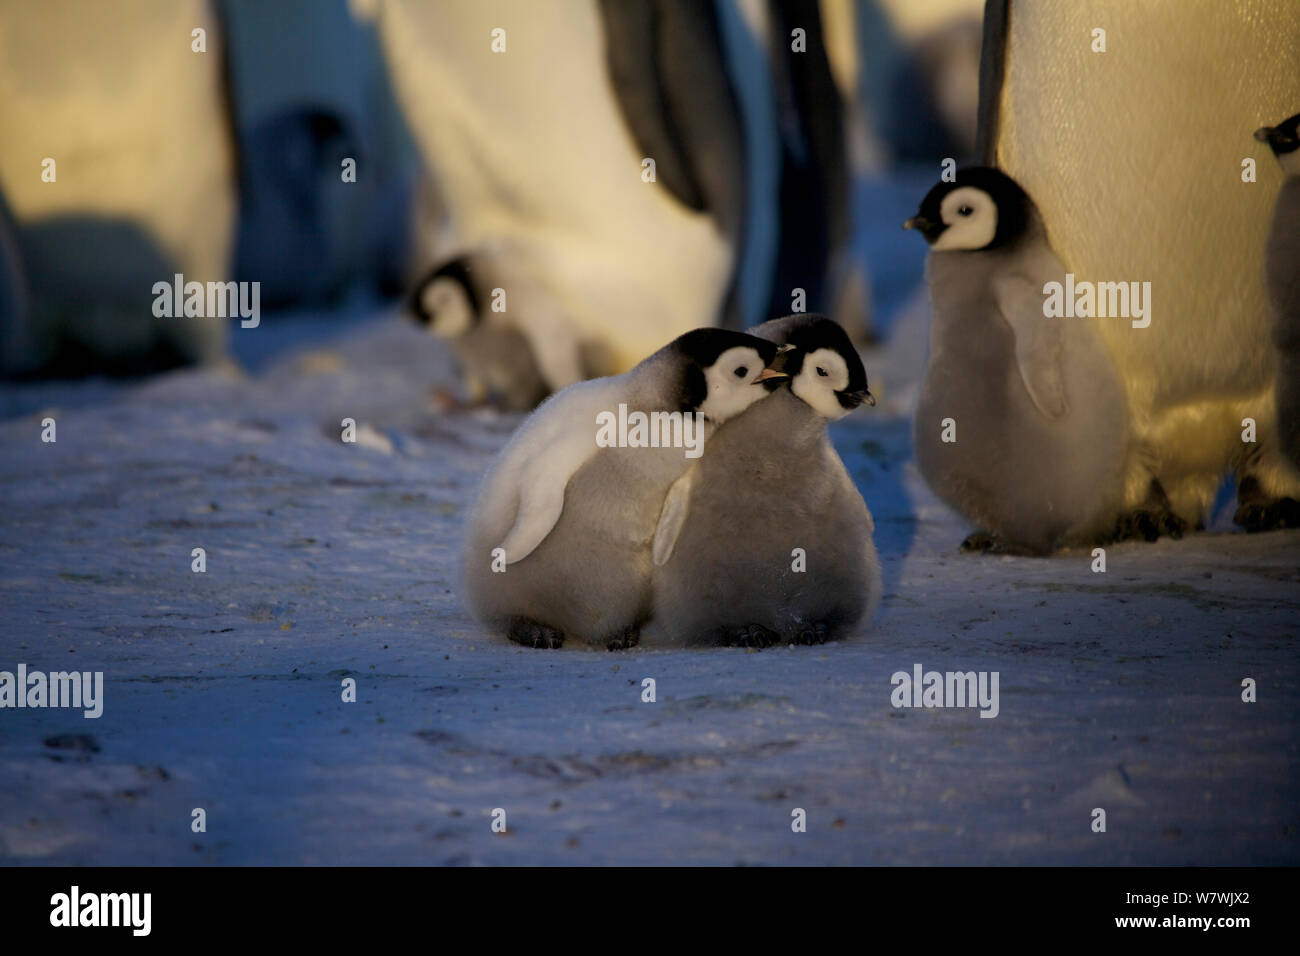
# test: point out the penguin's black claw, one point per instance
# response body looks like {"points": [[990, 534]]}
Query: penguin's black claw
{"points": [[1173, 526], [811, 634], [750, 635], [980, 542], [1272, 515], [531, 634], [1149, 525], [626, 640]]}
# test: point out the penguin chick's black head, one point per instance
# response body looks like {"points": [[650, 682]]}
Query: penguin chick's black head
{"points": [[983, 208], [456, 272], [1283, 138], [808, 334], [702, 348]]}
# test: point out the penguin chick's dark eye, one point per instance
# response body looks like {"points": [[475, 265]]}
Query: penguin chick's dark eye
{"points": [[821, 371], [965, 211], [741, 372]]}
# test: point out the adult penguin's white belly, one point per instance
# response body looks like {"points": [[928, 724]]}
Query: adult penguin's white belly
{"points": [[1134, 156], [137, 125], [528, 146]]}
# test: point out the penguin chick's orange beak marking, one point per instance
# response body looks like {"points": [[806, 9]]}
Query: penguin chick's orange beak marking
{"points": [[768, 374]]}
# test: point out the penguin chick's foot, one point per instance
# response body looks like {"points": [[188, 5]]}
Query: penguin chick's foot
{"points": [[1148, 525], [531, 634], [624, 640], [749, 635], [982, 542], [811, 634], [1268, 515]]}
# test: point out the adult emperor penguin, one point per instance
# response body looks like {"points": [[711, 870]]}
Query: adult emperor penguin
{"points": [[1124, 121], [1283, 279], [766, 539], [1021, 425], [558, 545], [118, 167], [515, 114]]}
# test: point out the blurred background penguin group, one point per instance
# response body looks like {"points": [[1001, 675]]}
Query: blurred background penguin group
{"points": [[624, 171], [558, 189]]}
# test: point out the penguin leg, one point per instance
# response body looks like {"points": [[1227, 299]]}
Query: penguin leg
{"points": [[1268, 486], [1153, 518], [625, 639], [529, 633], [1259, 511]]}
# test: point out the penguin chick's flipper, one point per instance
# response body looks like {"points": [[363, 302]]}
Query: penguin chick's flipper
{"points": [[1038, 342], [677, 505], [541, 502], [554, 453], [1257, 512], [531, 634]]}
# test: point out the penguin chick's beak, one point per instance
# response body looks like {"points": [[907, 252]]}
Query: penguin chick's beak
{"points": [[1262, 134], [776, 368], [851, 400], [928, 228]]}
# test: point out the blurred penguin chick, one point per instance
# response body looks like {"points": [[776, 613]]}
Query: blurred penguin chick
{"points": [[514, 343]]}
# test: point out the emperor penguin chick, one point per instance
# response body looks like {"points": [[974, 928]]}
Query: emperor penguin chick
{"points": [[558, 544], [1282, 274], [512, 357], [1022, 422], [766, 540]]}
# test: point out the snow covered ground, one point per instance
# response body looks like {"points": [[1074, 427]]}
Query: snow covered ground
{"points": [[324, 561]]}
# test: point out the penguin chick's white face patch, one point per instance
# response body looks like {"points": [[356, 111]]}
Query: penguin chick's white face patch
{"points": [[823, 374], [971, 216], [450, 314], [733, 384]]}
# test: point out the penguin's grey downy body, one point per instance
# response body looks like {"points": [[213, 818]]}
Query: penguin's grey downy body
{"points": [[1282, 274], [766, 539], [1032, 406], [571, 521], [496, 362]]}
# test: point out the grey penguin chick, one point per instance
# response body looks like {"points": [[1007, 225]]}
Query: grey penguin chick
{"points": [[514, 341], [558, 544], [1022, 421], [1282, 274], [766, 539], [495, 361]]}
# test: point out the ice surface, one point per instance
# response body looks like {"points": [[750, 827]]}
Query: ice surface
{"points": [[324, 560]]}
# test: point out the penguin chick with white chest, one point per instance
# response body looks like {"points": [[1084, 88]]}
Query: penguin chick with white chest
{"points": [[766, 539], [1022, 422], [512, 359], [558, 544], [1282, 272]]}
